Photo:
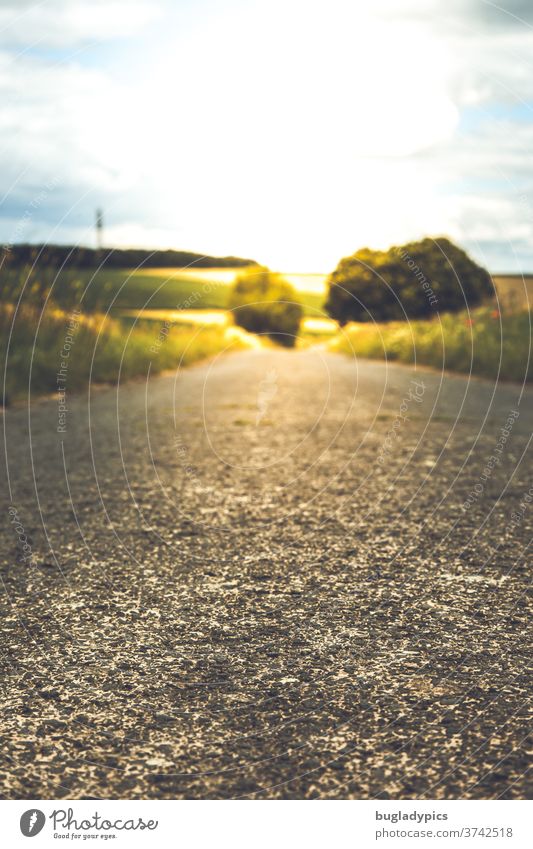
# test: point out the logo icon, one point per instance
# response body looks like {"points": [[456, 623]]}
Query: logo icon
{"points": [[32, 822]]}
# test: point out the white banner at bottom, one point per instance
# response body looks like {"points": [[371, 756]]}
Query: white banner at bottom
{"points": [[267, 824]]}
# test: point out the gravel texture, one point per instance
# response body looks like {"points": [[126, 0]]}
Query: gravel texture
{"points": [[259, 578]]}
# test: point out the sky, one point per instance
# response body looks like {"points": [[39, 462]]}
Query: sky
{"points": [[290, 131]]}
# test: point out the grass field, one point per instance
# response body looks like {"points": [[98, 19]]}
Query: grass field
{"points": [[153, 289], [158, 289], [98, 349], [514, 293], [485, 343], [170, 289]]}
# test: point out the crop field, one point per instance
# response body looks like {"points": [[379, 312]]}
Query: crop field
{"points": [[205, 289], [163, 289], [515, 293]]}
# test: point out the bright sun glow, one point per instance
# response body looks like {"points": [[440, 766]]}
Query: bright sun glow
{"points": [[287, 126], [287, 131]]}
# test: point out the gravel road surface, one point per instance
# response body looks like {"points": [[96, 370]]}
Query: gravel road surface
{"points": [[273, 575]]}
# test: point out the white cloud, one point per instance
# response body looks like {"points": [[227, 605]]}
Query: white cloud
{"points": [[289, 131], [66, 23]]}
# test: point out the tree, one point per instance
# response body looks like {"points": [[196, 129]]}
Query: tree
{"points": [[264, 302], [408, 281]]}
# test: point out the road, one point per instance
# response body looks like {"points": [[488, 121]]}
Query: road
{"points": [[277, 574]]}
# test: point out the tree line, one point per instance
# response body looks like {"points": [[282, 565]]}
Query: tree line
{"points": [[69, 256]]}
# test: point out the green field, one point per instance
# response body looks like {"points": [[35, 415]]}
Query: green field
{"points": [[171, 289], [156, 289], [137, 289]]}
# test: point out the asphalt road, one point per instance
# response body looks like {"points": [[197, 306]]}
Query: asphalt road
{"points": [[275, 575]]}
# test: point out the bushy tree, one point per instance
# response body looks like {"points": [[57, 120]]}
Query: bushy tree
{"points": [[408, 281], [264, 302]]}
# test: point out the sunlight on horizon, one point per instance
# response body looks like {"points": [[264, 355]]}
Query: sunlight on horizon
{"points": [[316, 128], [291, 133]]}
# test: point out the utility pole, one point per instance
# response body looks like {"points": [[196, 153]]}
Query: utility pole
{"points": [[99, 229]]}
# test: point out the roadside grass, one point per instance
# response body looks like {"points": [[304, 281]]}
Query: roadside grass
{"points": [[484, 343], [102, 349]]}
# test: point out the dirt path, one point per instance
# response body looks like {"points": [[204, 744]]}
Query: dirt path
{"points": [[260, 579]]}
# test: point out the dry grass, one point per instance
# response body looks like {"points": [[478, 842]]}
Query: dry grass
{"points": [[482, 343], [102, 349]]}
